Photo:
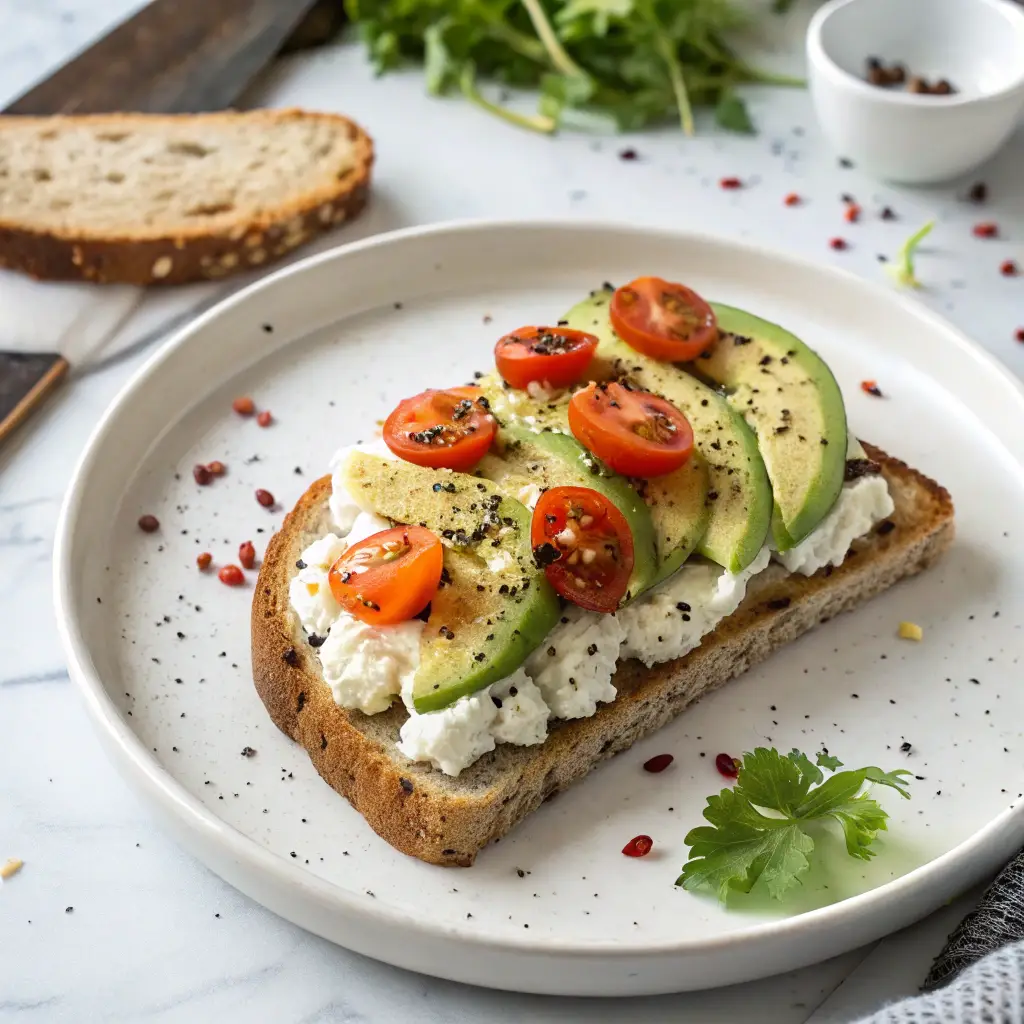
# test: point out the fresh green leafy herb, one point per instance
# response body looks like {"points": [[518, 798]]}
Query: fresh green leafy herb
{"points": [[597, 64], [902, 268], [759, 828]]}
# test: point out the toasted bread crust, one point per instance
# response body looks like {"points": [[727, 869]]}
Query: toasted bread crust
{"points": [[148, 256], [447, 821]]}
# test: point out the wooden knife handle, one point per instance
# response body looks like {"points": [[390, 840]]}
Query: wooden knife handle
{"points": [[25, 381]]}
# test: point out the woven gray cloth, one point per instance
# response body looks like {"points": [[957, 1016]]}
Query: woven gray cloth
{"points": [[978, 978]]}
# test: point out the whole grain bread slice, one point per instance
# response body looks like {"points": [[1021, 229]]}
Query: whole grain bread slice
{"points": [[151, 199], [445, 820]]}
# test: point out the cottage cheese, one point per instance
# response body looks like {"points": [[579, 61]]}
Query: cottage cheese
{"points": [[523, 716], [574, 666], [861, 503], [670, 620], [309, 592], [344, 507]]}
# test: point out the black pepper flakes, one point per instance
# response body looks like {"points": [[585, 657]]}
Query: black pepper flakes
{"points": [[248, 752]]}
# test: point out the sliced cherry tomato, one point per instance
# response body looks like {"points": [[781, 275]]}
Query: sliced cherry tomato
{"points": [[634, 432], [585, 546], [441, 429], [389, 577], [663, 320], [552, 355]]}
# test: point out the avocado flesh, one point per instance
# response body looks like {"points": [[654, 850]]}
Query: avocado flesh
{"points": [[788, 396], [739, 506], [551, 459], [484, 619]]}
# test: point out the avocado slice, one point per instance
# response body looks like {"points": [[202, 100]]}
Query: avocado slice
{"points": [[739, 493], [494, 607], [550, 459], [791, 400]]}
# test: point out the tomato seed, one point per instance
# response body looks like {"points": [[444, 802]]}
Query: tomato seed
{"points": [[217, 468], [730, 183], [852, 213], [247, 554], [1009, 269], [727, 765], [869, 387], [265, 498], [792, 199], [149, 524], [231, 575], [658, 763], [985, 230], [244, 406], [837, 243], [204, 560], [201, 474], [264, 419], [639, 846]]}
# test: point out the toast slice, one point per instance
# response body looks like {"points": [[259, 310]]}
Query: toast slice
{"points": [[151, 199], [445, 820]]}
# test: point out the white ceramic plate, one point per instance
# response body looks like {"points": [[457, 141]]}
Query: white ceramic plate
{"points": [[161, 651]]}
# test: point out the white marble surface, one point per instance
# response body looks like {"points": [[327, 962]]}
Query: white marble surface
{"points": [[153, 935]]}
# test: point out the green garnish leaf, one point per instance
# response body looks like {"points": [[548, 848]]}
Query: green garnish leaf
{"points": [[731, 113], [902, 267], [759, 829]]}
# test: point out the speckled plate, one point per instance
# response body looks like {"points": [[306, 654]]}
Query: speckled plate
{"points": [[160, 651]]}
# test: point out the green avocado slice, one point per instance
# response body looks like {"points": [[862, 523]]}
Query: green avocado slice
{"points": [[552, 459], [494, 607], [789, 397], [739, 505]]}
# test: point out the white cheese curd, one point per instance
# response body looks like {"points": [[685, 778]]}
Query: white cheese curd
{"points": [[861, 503], [542, 391], [344, 507], [366, 524], [309, 592], [453, 738], [523, 716], [367, 666], [529, 495], [500, 561], [574, 665], [671, 620]]}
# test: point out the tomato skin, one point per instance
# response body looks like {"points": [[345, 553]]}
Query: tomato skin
{"points": [[390, 576], [449, 429], [557, 356], [634, 432], [593, 566], [663, 320]]}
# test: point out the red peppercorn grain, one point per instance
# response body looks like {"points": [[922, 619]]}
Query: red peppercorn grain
{"points": [[247, 554], [244, 406], [149, 524], [264, 419], [869, 387], [837, 243], [727, 765], [217, 468], [1019, 334], [231, 576], [639, 846], [852, 214], [204, 560], [265, 498], [729, 183], [658, 763], [201, 474], [1008, 268], [985, 230], [792, 199]]}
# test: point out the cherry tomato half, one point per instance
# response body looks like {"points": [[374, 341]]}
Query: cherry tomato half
{"points": [[553, 355], [441, 429], [663, 320], [585, 546], [389, 577], [634, 432]]}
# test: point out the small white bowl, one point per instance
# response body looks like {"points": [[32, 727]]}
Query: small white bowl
{"points": [[977, 45]]}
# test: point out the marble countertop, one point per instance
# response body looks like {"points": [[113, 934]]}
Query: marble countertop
{"points": [[108, 920]]}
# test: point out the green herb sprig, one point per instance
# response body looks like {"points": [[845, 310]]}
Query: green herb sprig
{"points": [[597, 64], [758, 828]]}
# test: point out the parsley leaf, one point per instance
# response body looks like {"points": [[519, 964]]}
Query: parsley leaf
{"points": [[758, 830], [902, 268]]}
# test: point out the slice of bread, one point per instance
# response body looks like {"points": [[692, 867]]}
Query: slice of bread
{"points": [[150, 199], [445, 820]]}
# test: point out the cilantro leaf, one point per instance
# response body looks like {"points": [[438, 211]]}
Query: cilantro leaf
{"points": [[758, 830], [901, 269]]}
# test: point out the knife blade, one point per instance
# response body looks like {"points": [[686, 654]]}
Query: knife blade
{"points": [[172, 57]]}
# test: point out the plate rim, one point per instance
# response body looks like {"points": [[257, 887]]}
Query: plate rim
{"points": [[149, 776]]}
